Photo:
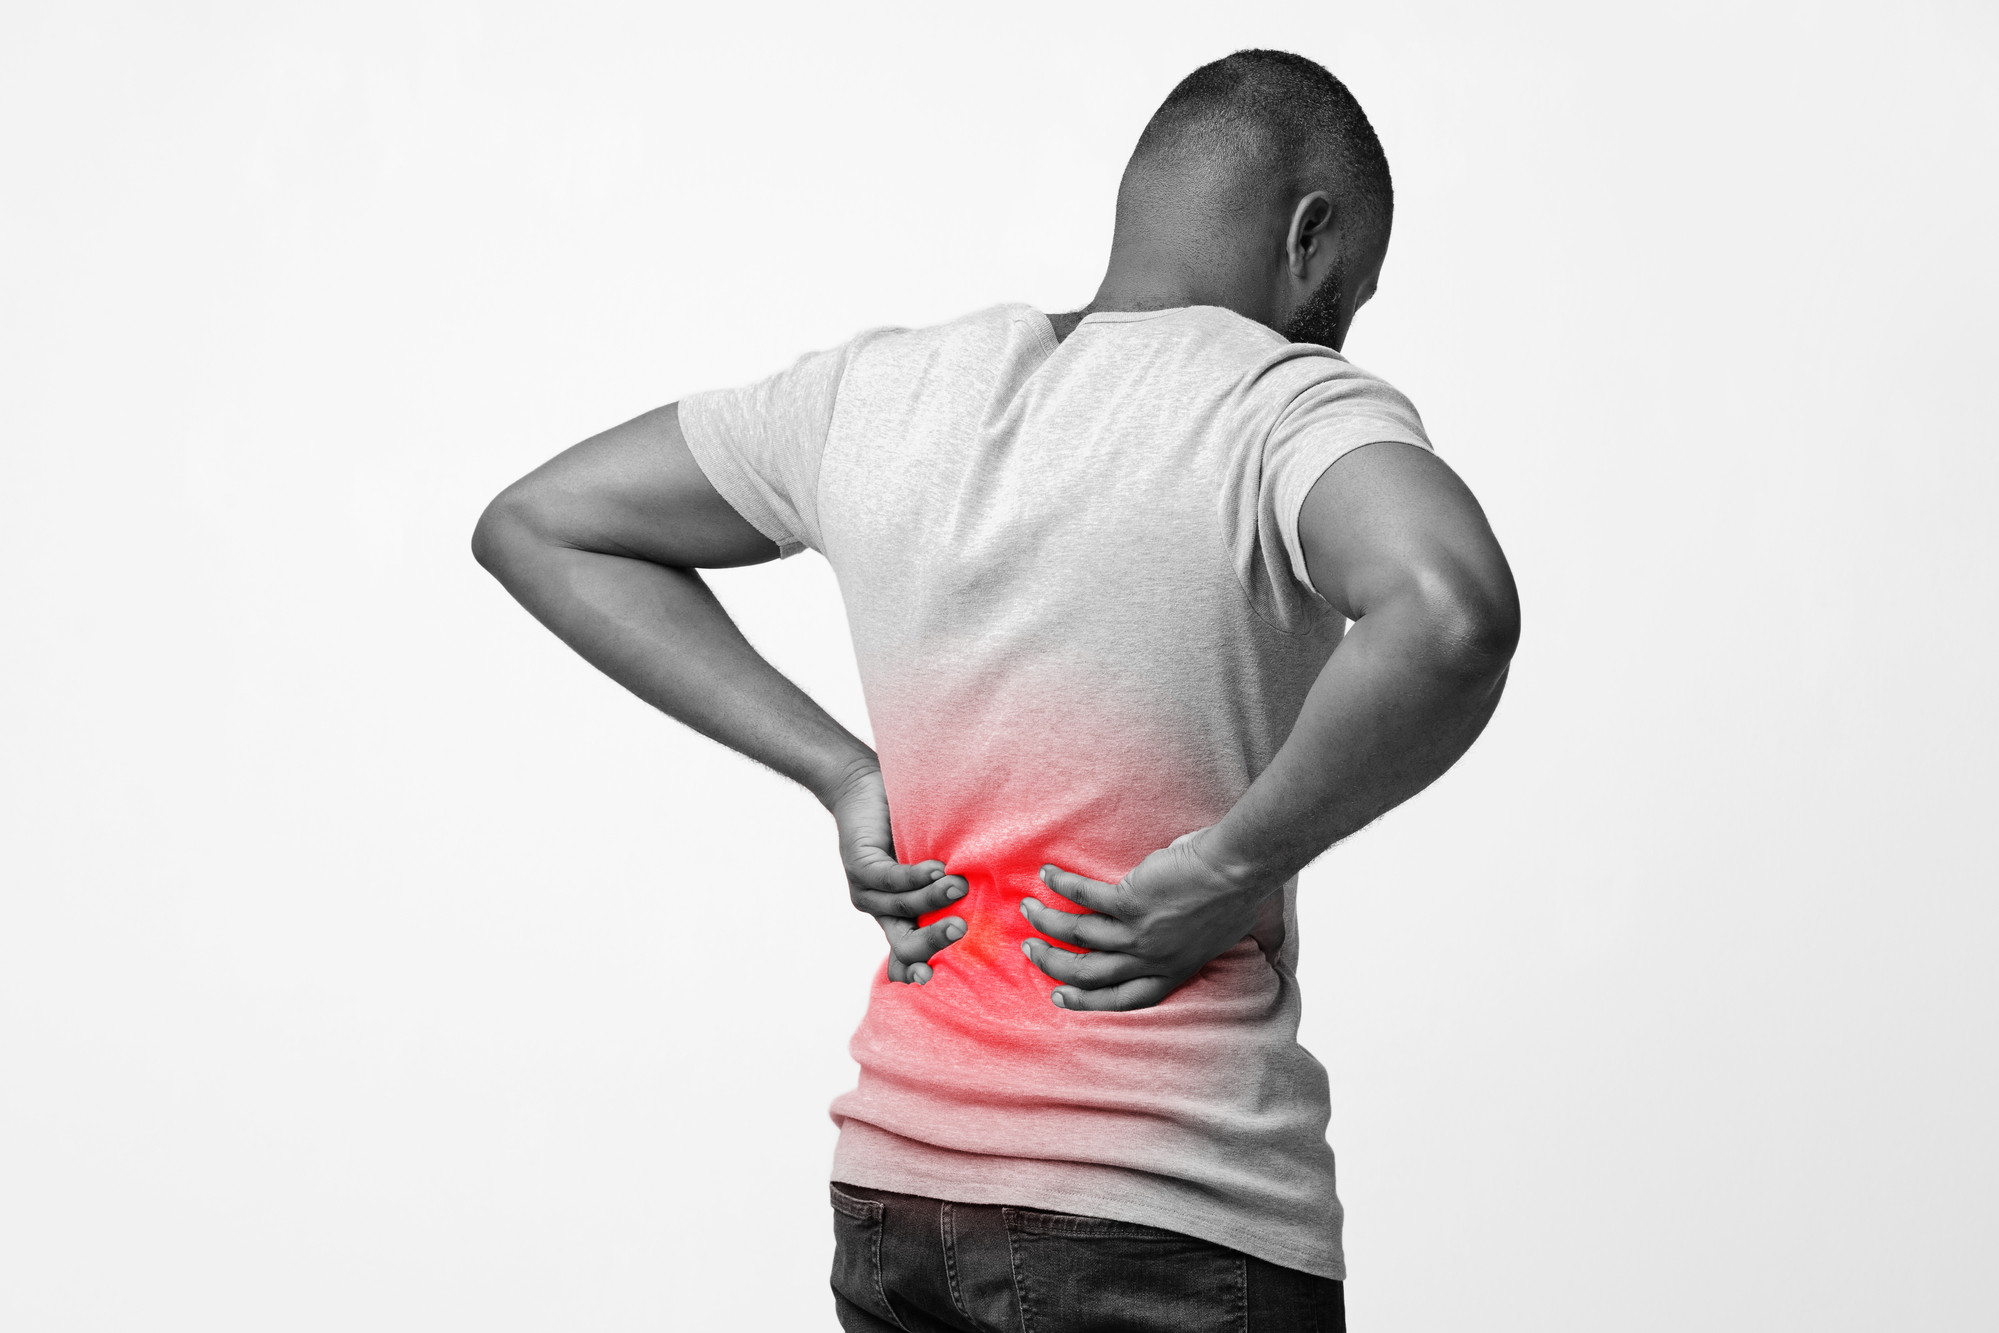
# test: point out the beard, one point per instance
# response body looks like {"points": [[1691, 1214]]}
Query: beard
{"points": [[1318, 320]]}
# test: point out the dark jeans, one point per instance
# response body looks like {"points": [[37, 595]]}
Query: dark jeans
{"points": [[907, 1264]]}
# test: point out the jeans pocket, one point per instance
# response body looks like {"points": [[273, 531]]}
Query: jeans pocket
{"points": [[857, 1257], [1119, 1277]]}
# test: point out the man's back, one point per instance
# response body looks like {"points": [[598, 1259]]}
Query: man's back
{"points": [[1076, 591], [1097, 587]]}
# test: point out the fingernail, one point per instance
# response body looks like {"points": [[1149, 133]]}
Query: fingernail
{"points": [[1059, 1003], [1027, 947], [936, 875], [1028, 904], [955, 892], [954, 930], [1043, 872]]}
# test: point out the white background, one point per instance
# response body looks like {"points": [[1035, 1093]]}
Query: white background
{"points": [[368, 963]]}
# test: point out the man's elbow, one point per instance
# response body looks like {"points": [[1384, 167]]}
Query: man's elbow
{"points": [[1475, 625], [1486, 638], [499, 530]]}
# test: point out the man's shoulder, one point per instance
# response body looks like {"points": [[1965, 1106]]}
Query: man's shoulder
{"points": [[1225, 338], [982, 325], [1231, 354], [984, 338], [1262, 367]]}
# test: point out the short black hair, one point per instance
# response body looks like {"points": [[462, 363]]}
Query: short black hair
{"points": [[1287, 114]]}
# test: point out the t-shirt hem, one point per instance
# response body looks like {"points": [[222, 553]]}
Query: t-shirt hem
{"points": [[871, 1157]]}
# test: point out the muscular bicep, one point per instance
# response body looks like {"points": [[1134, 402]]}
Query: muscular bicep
{"points": [[636, 490], [1392, 523]]}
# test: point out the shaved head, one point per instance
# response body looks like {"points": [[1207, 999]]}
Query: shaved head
{"points": [[1265, 124], [1257, 186]]}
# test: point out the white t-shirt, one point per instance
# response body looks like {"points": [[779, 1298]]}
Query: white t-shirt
{"points": [[1084, 625]]}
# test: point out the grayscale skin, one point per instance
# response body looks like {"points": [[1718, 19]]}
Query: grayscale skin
{"points": [[604, 544]]}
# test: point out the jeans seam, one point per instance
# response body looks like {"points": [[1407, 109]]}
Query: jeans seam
{"points": [[881, 1291], [1007, 1216], [1035, 1223], [947, 1232]]}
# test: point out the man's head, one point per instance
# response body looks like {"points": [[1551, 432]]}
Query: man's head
{"points": [[1258, 185]]}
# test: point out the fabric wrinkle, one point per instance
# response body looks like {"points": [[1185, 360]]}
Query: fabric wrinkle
{"points": [[1071, 574]]}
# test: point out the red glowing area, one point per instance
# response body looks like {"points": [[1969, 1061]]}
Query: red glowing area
{"points": [[996, 782], [995, 924]]}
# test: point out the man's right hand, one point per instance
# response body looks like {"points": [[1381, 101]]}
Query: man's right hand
{"points": [[895, 895]]}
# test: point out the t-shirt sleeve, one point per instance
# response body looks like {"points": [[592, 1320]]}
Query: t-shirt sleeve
{"points": [[1340, 409], [760, 445]]}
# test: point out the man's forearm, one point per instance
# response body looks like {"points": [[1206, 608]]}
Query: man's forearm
{"points": [[1404, 695], [661, 633]]}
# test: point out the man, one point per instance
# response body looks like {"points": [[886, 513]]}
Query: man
{"points": [[1098, 568]]}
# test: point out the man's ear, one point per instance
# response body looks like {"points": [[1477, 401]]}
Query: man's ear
{"points": [[1311, 232]]}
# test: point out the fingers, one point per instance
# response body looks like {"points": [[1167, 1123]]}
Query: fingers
{"points": [[882, 873], [910, 948], [918, 944], [928, 893], [1089, 932], [1091, 893], [1089, 970], [1142, 993]]}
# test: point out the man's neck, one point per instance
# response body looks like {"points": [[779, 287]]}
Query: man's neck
{"points": [[1122, 293], [1149, 273], [1065, 324]]}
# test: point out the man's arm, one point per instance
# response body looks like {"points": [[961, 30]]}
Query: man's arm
{"points": [[603, 544], [1395, 541]]}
